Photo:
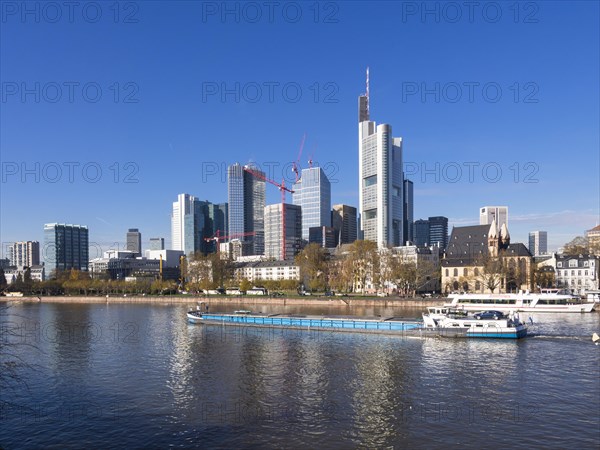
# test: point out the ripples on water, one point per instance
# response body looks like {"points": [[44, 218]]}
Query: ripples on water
{"points": [[141, 376]]}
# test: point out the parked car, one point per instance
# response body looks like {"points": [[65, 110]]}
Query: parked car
{"points": [[489, 315], [329, 294]]}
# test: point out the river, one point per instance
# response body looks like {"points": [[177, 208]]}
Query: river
{"points": [[139, 376]]}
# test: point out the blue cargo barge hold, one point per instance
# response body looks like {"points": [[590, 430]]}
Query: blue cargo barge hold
{"points": [[389, 325]]}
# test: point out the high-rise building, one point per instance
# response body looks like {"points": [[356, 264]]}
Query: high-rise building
{"points": [[438, 231], [134, 241], [326, 237], [274, 235], [421, 232], [190, 225], [381, 180], [65, 247], [24, 254], [344, 220], [157, 243], [312, 192], [408, 232], [219, 216], [538, 243], [246, 195], [487, 214]]}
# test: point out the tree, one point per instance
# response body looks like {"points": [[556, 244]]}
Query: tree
{"points": [[365, 263], [492, 272], [312, 261], [3, 282], [245, 285], [544, 277], [404, 274], [578, 246]]}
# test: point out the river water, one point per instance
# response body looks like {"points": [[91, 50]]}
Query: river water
{"points": [[140, 376]]}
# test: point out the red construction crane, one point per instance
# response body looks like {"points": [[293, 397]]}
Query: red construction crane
{"points": [[281, 186], [218, 237], [295, 164]]}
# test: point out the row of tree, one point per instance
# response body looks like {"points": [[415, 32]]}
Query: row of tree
{"points": [[361, 266]]}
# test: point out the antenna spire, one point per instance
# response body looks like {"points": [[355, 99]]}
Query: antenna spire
{"points": [[367, 89]]}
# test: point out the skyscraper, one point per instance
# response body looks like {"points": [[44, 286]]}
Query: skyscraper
{"points": [[408, 232], [246, 196], [381, 180], [312, 193], [274, 231], [438, 231], [24, 254], [65, 247], [344, 220], [190, 225], [488, 214], [538, 243], [157, 243], [134, 241], [421, 231]]}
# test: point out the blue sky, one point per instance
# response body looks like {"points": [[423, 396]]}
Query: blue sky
{"points": [[132, 106]]}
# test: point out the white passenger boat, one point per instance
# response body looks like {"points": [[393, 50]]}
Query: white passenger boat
{"points": [[523, 301], [458, 323]]}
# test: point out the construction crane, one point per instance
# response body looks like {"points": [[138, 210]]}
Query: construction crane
{"points": [[283, 189], [295, 168], [218, 237]]}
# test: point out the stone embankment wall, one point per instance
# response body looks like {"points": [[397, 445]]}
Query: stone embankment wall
{"points": [[351, 301]]}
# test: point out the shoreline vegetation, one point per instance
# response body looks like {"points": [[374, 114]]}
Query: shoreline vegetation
{"points": [[193, 300]]}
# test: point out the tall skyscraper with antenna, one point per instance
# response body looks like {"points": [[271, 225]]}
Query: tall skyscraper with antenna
{"points": [[381, 180]]}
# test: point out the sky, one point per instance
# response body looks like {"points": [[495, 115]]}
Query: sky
{"points": [[110, 110]]}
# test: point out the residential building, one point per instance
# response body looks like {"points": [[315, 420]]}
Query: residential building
{"points": [[381, 180], [36, 271], [4, 263], [24, 254], [246, 195], [65, 247], [344, 221], [498, 214], [326, 237], [134, 241], [577, 272], [481, 259], [266, 270], [157, 243], [274, 231], [312, 192], [426, 261], [408, 231], [538, 243]]}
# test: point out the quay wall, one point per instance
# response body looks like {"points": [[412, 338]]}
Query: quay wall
{"points": [[320, 301]]}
